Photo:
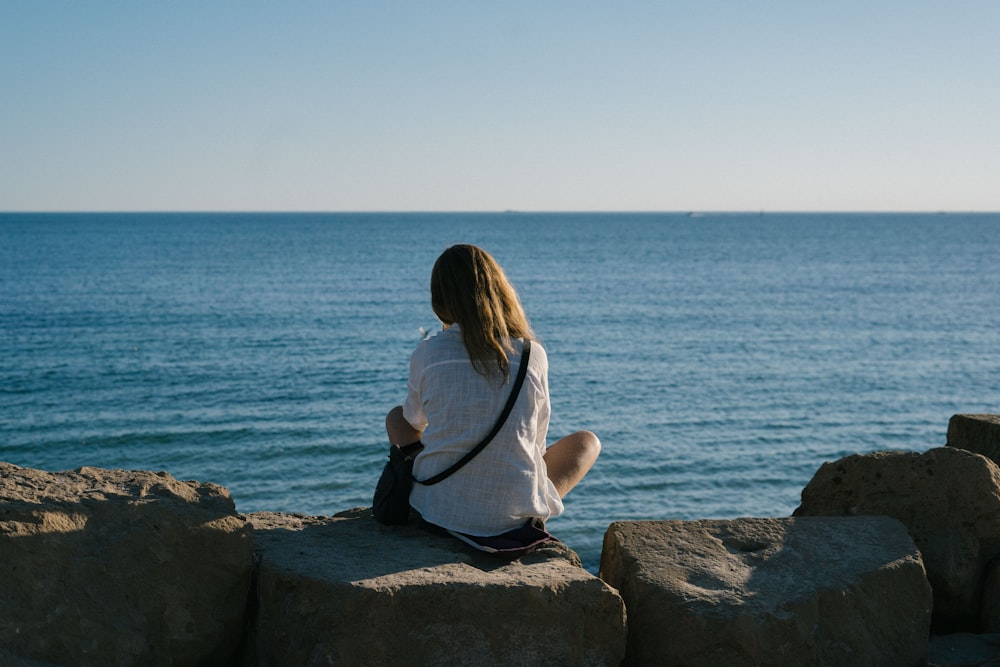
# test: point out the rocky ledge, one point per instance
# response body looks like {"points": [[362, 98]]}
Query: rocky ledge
{"points": [[891, 559], [112, 567], [348, 591]]}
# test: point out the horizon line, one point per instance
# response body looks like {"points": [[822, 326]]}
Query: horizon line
{"points": [[694, 211]]}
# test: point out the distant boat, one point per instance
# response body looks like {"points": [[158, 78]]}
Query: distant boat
{"points": [[694, 214]]}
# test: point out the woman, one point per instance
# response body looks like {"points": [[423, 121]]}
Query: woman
{"points": [[459, 381]]}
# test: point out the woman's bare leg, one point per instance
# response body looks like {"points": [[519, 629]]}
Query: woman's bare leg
{"points": [[570, 458], [399, 430]]}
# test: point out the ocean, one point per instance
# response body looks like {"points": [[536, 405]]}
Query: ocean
{"points": [[720, 357]]}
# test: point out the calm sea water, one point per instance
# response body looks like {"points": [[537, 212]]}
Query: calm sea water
{"points": [[721, 358]]}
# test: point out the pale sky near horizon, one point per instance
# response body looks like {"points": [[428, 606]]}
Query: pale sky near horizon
{"points": [[471, 106]]}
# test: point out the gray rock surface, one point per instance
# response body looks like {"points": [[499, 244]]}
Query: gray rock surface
{"points": [[346, 590], [949, 500], [976, 433], [113, 567], [811, 591]]}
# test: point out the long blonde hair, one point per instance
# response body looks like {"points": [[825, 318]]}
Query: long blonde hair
{"points": [[469, 288]]}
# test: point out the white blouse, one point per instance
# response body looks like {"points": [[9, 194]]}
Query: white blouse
{"points": [[506, 483]]}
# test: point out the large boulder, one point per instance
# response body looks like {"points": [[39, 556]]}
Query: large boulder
{"points": [[815, 591], [114, 567], [346, 590], [976, 433], [949, 500]]}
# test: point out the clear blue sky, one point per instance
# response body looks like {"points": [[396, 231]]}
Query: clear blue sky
{"points": [[350, 105]]}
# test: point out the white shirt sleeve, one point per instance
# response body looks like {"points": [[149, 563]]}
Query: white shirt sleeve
{"points": [[413, 409]]}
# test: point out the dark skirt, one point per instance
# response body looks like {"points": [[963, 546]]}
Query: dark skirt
{"points": [[511, 544]]}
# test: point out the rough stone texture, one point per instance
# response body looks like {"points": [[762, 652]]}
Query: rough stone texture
{"points": [[113, 567], [976, 433], [812, 591], [348, 591], [949, 500], [964, 650]]}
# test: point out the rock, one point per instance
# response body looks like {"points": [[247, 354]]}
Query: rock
{"points": [[976, 433], [346, 590], [949, 500], [964, 650], [813, 591], [114, 567]]}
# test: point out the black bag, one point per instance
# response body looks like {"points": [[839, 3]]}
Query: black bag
{"points": [[391, 504]]}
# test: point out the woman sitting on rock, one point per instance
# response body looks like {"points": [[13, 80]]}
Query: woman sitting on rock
{"points": [[459, 381]]}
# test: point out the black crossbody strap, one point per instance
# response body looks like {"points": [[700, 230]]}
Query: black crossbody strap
{"points": [[521, 372]]}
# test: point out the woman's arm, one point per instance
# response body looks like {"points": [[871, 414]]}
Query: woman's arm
{"points": [[400, 431]]}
